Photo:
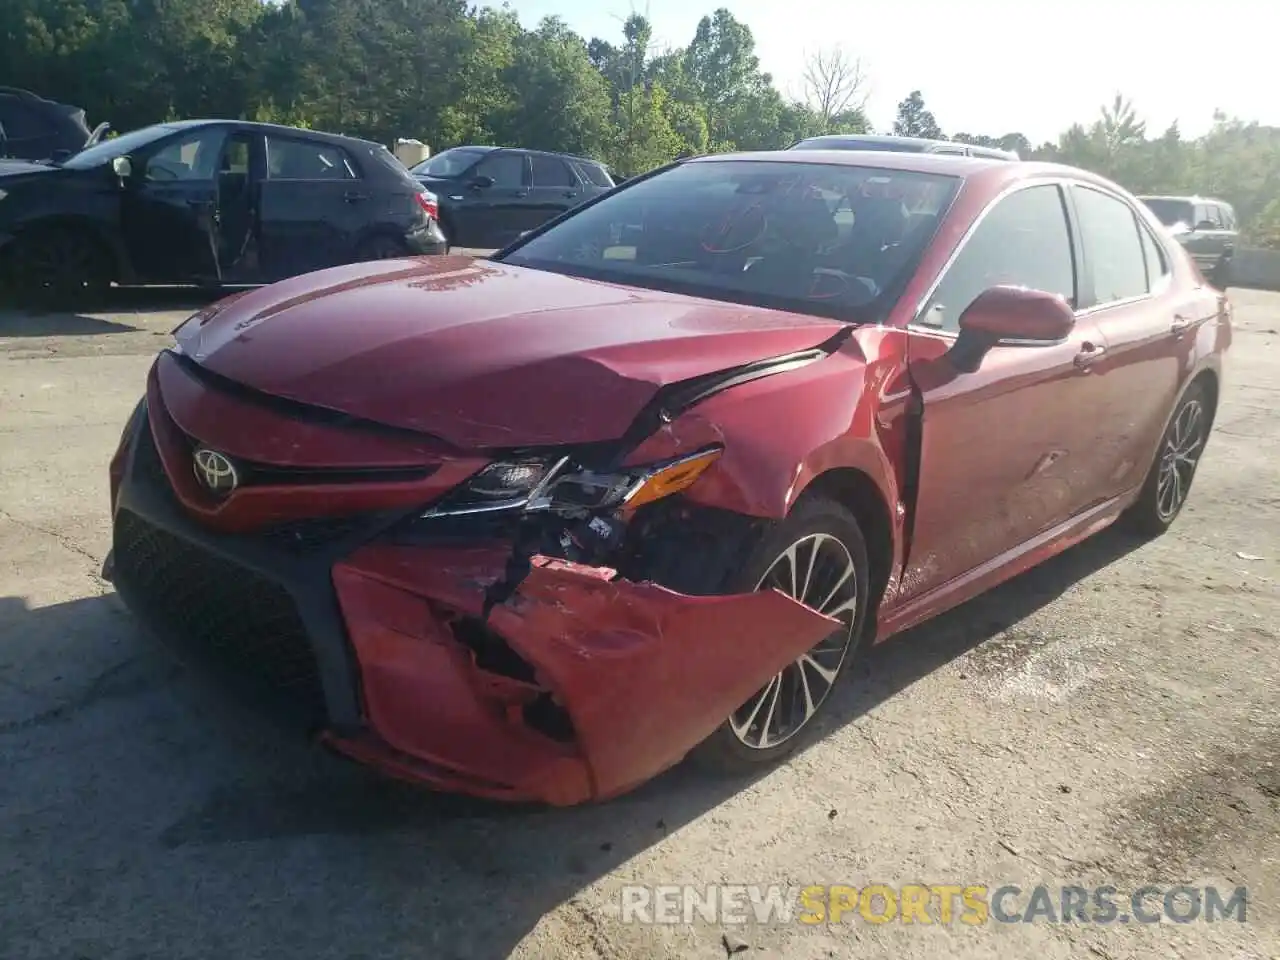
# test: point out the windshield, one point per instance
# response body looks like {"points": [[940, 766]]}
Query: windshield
{"points": [[108, 150], [828, 239], [1171, 212], [450, 163]]}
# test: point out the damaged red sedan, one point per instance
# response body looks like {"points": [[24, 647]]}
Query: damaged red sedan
{"points": [[645, 483]]}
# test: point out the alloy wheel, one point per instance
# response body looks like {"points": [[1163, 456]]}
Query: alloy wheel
{"points": [[819, 572], [1182, 448]]}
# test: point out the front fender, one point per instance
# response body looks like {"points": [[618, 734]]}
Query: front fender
{"points": [[783, 432]]}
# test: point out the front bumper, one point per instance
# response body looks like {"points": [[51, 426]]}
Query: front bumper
{"points": [[579, 687]]}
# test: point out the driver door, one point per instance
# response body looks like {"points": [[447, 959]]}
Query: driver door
{"points": [[1011, 450], [169, 209]]}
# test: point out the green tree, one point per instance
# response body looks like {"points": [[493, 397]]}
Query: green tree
{"points": [[913, 120]]}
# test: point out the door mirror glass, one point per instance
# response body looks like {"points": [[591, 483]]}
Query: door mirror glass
{"points": [[1012, 315], [481, 182], [122, 167]]}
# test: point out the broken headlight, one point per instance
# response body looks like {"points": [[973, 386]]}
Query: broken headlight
{"points": [[556, 486]]}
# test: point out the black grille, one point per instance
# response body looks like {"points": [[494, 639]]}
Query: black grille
{"points": [[303, 536], [219, 612]]}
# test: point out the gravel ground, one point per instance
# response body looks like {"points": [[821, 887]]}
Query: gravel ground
{"points": [[1109, 718]]}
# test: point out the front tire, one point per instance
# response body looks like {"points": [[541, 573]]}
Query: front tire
{"points": [[58, 266], [819, 556], [1169, 479]]}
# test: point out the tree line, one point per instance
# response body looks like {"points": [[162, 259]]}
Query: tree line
{"points": [[450, 73]]}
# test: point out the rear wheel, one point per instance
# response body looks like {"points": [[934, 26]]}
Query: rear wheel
{"points": [[1222, 273], [382, 247], [57, 265], [1169, 479], [818, 556]]}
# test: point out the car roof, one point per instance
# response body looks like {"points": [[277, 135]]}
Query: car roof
{"points": [[991, 173], [1193, 198], [268, 128], [489, 148], [920, 144]]}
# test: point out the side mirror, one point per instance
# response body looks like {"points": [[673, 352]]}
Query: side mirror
{"points": [[1206, 225], [123, 167], [481, 182], [1013, 316]]}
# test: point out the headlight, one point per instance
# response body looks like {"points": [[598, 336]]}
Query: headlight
{"points": [[547, 485]]}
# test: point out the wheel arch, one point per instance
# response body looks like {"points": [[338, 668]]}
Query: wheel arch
{"points": [[110, 243], [858, 492]]}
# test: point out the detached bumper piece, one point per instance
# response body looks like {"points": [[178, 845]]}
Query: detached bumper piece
{"points": [[580, 686]]}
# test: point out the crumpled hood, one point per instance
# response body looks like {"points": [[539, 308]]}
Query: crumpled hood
{"points": [[479, 353]]}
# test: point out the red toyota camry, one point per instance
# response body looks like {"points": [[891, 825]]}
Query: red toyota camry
{"points": [[645, 483]]}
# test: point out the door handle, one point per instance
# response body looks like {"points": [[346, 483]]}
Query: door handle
{"points": [[1181, 325], [522, 193], [571, 193], [354, 197], [1089, 353]]}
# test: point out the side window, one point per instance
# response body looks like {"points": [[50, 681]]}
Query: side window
{"points": [[1153, 254], [23, 123], [193, 157], [1109, 234], [550, 172], [289, 159], [595, 174], [1023, 240], [1202, 215], [506, 169]]}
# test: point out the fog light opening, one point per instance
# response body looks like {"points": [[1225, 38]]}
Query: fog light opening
{"points": [[492, 653], [549, 719]]}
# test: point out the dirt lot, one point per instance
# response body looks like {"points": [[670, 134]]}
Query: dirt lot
{"points": [[1110, 718]]}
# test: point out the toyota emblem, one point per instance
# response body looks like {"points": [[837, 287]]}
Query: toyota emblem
{"points": [[215, 471]]}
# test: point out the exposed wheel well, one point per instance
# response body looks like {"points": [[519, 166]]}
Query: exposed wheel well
{"points": [[858, 493], [1208, 381]]}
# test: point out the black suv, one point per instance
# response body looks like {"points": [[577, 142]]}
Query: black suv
{"points": [[33, 128], [491, 195], [1206, 227]]}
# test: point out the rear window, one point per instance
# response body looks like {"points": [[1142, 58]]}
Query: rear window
{"points": [[595, 173], [1171, 212], [815, 238]]}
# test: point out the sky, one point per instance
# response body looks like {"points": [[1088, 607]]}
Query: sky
{"points": [[999, 66]]}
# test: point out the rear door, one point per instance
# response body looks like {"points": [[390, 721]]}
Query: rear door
{"points": [[169, 210], [313, 203], [554, 189], [1147, 321], [1008, 451]]}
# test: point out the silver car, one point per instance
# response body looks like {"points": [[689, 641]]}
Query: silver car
{"points": [[1206, 227]]}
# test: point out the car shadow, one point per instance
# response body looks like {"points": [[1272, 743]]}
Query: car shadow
{"points": [[34, 320], [184, 790]]}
